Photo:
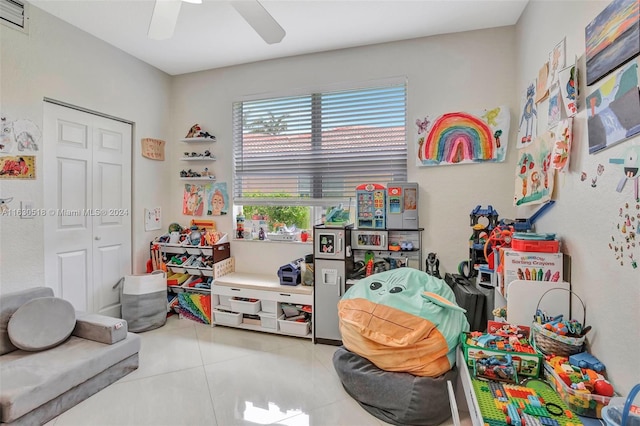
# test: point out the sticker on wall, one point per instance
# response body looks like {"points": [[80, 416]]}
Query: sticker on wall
{"points": [[193, 200], [542, 88], [631, 166], [21, 135], [557, 61], [153, 148], [568, 82], [464, 137], [22, 167], [554, 107], [217, 199], [612, 38], [4, 204], [614, 110], [563, 136], [625, 238], [534, 175], [527, 131]]}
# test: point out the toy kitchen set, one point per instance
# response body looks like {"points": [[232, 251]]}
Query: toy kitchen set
{"points": [[385, 236]]}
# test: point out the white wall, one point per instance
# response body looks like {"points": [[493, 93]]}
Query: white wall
{"points": [[446, 73], [584, 217], [61, 62]]}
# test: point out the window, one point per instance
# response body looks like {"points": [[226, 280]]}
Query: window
{"points": [[314, 149]]}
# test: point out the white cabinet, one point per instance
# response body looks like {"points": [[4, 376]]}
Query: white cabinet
{"points": [[197, 152], [238, 297]]}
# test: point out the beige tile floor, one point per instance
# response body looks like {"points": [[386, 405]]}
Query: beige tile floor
{"points": [[193, 374]]}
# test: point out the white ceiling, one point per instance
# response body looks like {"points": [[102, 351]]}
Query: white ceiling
{"points": [[213, 34]]}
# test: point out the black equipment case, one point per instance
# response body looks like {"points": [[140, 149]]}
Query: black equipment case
{"points": [[470, 298]]}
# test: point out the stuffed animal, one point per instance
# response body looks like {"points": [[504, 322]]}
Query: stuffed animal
{"points": [[193, 131], [403, 320]]}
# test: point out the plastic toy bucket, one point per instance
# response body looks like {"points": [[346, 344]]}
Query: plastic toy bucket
{"points": [[615, 414]]}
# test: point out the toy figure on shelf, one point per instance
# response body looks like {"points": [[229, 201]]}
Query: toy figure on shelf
{"points": [[193, 131], [433, 265], [207, 135]]}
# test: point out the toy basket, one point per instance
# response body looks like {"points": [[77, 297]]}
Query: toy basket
{"points": [[548, 342]]}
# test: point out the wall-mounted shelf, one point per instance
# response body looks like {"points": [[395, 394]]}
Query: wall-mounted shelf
{"points": [[207, 178], [210, 158], [189, 140]]}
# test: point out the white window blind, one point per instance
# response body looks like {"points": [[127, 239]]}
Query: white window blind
{"points": [[315, 149]]}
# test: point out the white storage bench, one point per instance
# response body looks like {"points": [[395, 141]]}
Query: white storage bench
{"points": [[239, 293]]}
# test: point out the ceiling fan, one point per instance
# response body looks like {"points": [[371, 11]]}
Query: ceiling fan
{"points": [[165, 15]]}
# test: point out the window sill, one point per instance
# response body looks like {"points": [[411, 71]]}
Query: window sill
{"points": [[246, 240]]}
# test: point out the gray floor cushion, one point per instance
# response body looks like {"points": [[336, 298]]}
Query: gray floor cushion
{"points": [[396, 398], [42, 323]]}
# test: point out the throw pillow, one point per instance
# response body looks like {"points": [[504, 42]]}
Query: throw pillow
{"points": [[42, 323]]}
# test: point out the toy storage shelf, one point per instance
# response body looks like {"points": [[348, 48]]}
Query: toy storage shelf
{"points": [[271, 295], [412, 258]]}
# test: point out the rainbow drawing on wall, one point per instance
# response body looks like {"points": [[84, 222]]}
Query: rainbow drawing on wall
{"points": [[463, 137]]}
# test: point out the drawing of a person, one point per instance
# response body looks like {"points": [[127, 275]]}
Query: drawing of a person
{"points": [[217, 203]]}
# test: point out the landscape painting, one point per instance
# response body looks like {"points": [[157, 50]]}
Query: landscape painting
{"points": [[614, 109], [612, 38]]}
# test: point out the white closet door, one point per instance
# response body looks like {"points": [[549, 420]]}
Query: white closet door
{"points": [[87, 173]]}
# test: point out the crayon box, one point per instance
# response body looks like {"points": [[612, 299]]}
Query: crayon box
{"points": [[530, 266]]}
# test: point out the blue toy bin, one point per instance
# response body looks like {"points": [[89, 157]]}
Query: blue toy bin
{"points": [[621, 412]]}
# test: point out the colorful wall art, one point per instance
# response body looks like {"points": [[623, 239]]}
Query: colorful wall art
{"points": [[21, 135], [568, 90], [22, 167], [614, 109], [464, 137], [528, 117], [625, 235], [555, 103], [612, 38], [193, 200], [557, 61], [217, 199], [534, 177], [562, 138], [631, 170], [542, 88]]}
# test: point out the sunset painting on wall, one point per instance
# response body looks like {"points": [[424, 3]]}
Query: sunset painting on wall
{"points": [[612, 38]]}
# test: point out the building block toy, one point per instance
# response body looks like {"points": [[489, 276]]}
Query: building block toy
{"points": [[586, 360]]}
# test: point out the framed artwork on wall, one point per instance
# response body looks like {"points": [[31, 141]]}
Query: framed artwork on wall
{"points": [[614, 109], [612, 38]]}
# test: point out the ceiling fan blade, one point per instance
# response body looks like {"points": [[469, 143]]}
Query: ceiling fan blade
{"points": [[163, 19], [257, 16]]}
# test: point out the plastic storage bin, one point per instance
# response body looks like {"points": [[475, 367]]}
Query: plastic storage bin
{"points": [[245, 307], [621, 411], [268, 320], [583, 404], [294, 327], [270, 306], [225, 300], [227, 318]]}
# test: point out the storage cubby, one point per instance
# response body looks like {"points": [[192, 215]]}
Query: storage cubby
{"points": [[262, 295]]}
